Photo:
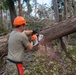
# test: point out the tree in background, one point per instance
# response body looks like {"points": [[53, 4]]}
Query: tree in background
{"points": [[12, 10], [56, 11], [29, 8], [44, 12], [35, 4], [65, 9], [20, 7], [74, 6], [3, 15], [1, 8]]}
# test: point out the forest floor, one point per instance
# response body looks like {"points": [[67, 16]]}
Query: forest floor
{"points": [[30, 57]]}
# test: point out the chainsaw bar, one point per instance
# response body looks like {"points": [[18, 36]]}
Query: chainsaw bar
{"points": [[39, 38]]}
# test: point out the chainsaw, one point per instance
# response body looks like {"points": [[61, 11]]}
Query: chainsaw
{"points": [[39, 38]]}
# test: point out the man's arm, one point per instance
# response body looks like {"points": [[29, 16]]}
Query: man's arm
{"points": [[30, 46], [27, 32], [32, 39]]}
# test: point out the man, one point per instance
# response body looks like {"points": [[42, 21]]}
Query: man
{"points": [[17, 43]]}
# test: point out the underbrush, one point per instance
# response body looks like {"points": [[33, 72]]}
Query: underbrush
{"points": [[3, 32], [53, 62]]}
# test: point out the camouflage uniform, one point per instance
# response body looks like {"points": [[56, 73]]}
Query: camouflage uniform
{"points": [[11, 69]]}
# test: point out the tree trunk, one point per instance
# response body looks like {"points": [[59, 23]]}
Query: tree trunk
{"points": [[56, 10], [60, 29], [20, 7], [65, 9], [1, 18], [74, 7], [12, 10], [63, 46], [35, 7]]}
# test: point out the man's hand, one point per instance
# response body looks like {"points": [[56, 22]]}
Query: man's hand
{"points": [[36, 31]]}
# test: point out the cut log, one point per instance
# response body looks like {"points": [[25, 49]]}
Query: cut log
{"points": [[60, 29], [3, 46]]}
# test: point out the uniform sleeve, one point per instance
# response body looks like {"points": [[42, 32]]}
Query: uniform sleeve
{"points": [[25, 41]]}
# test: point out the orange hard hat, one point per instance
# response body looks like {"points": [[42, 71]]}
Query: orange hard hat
{"points": [[34, 37], [19, 20]]}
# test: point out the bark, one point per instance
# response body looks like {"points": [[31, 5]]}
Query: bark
{"points": [[3, 46], [20, 7], [65, 9], [12, 10], [60, 29], [56, 10], [65, 50], [35, 7]]}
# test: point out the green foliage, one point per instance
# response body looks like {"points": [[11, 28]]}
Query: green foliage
{"points": [[2, 6], [43, 65], [26, 73], [2, 30], [34, 23], [5, 4], [72, 51], [73, 36]]}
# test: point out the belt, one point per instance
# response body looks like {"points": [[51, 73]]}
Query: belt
{"points": [[16, 62]]}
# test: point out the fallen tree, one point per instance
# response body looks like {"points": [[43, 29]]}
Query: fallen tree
{"points": [[3, 46], [51, 32], [60, 29]]}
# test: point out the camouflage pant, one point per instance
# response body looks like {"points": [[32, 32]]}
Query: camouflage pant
{"points": [[14, 69]]}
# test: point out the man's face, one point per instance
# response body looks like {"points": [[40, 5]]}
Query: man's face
{"points": [[23, 26]]}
